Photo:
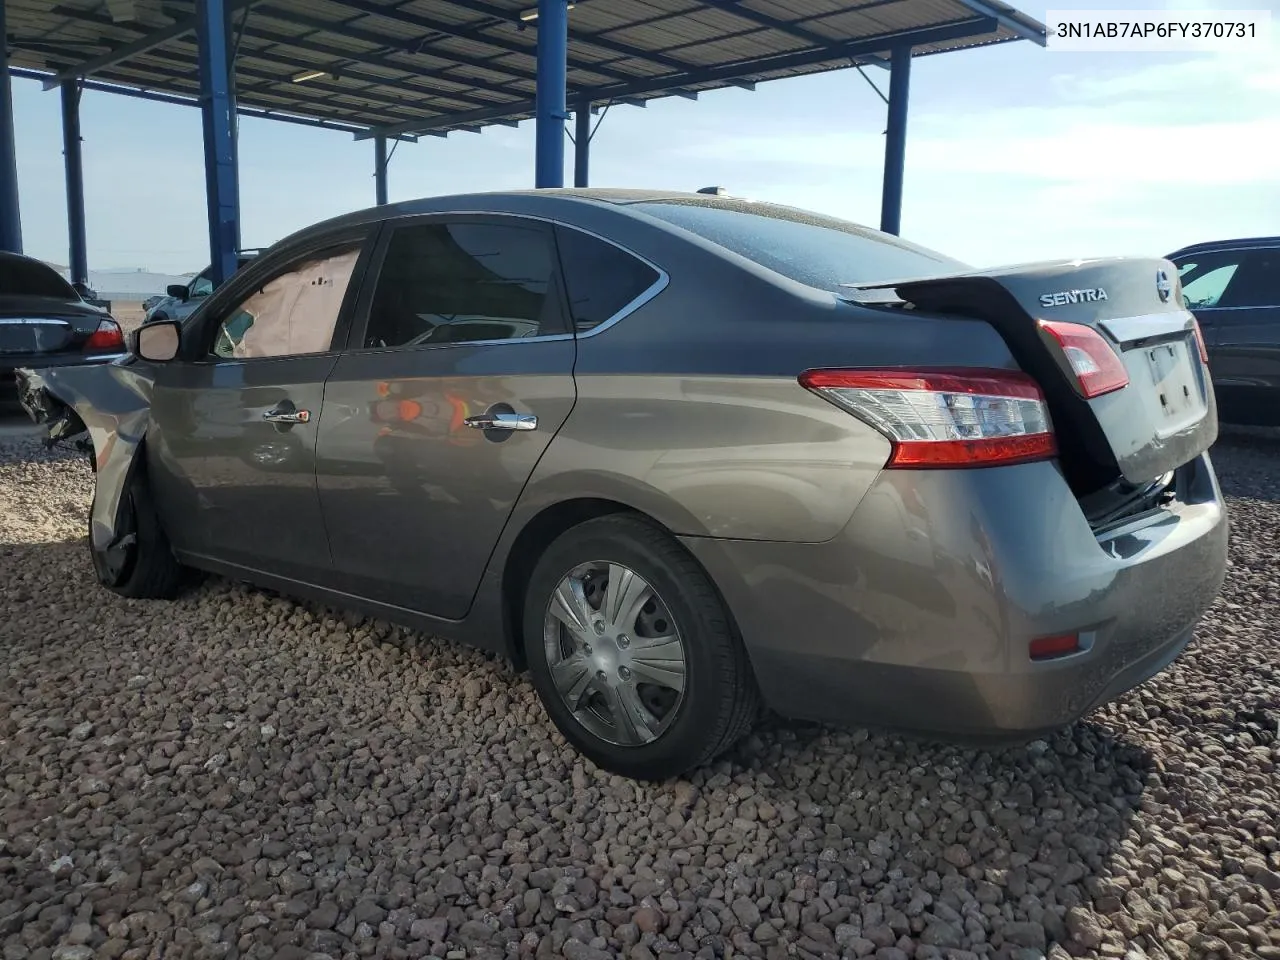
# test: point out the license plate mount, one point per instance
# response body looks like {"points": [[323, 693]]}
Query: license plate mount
{"points": [[1176, 392]]}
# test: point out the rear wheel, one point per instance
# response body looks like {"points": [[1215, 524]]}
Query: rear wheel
{"points": [[632, 651], [140, 564]]}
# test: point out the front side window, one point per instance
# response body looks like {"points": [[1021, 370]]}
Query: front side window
{"points": [[461, 282], [294, 313], [601, 279]]}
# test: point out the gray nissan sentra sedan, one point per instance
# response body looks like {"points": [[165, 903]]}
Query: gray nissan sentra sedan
{"points": [[684, 457]]}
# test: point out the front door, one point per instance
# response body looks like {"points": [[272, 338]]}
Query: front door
{"points": [[1235, 296], [459, 373], [234, 421]]}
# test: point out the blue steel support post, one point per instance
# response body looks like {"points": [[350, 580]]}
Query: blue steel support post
{"points": [[553, 68], [10, 215], [72, 160], [221, 187], [582, 143], [380, 170], [895, 143]]}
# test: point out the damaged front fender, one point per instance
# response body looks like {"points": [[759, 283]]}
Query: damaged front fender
{"points": [[112, 404]]}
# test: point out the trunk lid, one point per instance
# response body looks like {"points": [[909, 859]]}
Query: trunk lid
{"points": [[1165, 416], [39, 325], [34, 335]]}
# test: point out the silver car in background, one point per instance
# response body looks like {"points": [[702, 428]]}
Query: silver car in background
{"points": [[683, 457]]}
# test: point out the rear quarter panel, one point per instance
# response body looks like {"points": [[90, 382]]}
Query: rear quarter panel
{"points": [[690, 410]]}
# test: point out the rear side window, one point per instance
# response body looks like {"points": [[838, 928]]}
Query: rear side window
{"points": [[819, 251], [1256, 283], [602, 279], [463, 282], [20, 277]]}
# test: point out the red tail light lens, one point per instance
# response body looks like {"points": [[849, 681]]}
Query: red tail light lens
{"points": [[1097, 367], [1049, 648], [945, 418], [106, 337], [1204, 351]]}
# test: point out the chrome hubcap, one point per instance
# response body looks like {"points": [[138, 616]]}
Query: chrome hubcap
{"points": [[616, 656]]}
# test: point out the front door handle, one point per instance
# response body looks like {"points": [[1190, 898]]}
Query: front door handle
{"points": [[503, 421], [283, 414]]}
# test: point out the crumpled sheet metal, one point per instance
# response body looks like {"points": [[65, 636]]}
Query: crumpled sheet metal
{"points": [[113, 402]]}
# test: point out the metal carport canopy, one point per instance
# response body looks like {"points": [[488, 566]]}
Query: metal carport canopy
{"points": [[401, 68]]}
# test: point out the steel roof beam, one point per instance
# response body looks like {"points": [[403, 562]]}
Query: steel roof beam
{"points": [[410, 47], [353, 73], [578, 36], [272, 37], [132, 49], [766, 20], [1005, 19], [462, 32], [140, 93], [378, 104], [462, 96], [269, 79], [957, 30]]}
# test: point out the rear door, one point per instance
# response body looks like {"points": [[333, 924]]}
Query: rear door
{"points": [[233, 431], [1236, 296], [458, 375]]}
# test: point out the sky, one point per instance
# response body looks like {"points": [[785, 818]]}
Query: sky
{"points": [[1014, 153]]}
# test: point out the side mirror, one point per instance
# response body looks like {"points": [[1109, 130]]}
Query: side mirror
{"points": [[157, 341], [177, 290]]}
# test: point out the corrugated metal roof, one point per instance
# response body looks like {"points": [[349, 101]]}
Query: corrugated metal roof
{"points": [[431, 66]]}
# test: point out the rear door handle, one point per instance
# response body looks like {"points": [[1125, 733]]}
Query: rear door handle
{"points": [[283, 414], [503, 421]]}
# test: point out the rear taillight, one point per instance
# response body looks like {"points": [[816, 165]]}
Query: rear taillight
{"points": [[1097, 367], [1204, 351], [106, 337], [1050, 648], [945, 418]]}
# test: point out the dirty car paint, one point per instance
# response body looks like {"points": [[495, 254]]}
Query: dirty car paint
{"points": [[112, 403]]}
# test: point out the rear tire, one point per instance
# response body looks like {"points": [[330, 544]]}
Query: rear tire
{"points": [[142, 564], [633, 652]]}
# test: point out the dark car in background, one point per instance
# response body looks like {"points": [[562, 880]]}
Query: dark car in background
{"points": [[682, 455], [1233, 288], [45, 322]]}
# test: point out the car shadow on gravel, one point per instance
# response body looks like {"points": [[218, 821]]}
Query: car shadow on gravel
{"points": [[1247, 461]]}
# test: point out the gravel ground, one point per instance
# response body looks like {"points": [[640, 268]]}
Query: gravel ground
{"points": [[238, 775]]}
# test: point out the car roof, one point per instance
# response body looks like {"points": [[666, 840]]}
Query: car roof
{"points": [[547, 201], [1216, 246]]}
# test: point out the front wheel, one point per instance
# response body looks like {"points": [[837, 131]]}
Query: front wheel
{"points": [[632, 651], [140, 564]]}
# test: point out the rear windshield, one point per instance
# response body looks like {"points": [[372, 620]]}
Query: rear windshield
{"points": [[20, 277], [819, 251]]}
